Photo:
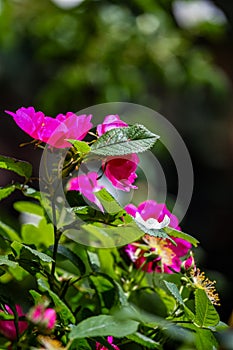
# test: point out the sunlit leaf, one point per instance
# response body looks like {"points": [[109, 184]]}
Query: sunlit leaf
{"points": [[6, 191], [29, 207], [18, 166], [174, 291], [179, 234], [206, 314], [120, 141], [11, 233]]}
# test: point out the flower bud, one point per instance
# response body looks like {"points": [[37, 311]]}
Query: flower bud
{"points": [[188, 264], [42, 317]]}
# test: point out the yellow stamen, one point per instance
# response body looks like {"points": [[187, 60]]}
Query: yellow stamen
{"points": [[201, 281], [166, 254]]}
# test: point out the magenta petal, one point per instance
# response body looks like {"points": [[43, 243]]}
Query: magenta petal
{"points": [[181, 248], [24, 118], [50, 317], [78, 126], [87, 185], [71, 126], [120, 171], [7, 328], [131, 209], [46, 132], [110, 122], [150, 209]]}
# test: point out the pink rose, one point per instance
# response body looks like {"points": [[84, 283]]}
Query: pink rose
{"points": [[110, 122], [167, 256], [7, 327], [53, 131], [87, 185], [120, 171]]}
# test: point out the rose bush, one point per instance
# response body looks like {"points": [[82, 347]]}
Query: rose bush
{"points": [[133, 285]]}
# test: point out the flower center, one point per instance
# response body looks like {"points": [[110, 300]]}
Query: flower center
{"points": [[166, 254]]}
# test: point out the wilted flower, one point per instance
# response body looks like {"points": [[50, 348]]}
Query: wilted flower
{"points": [[43, 317], [110, 341], [53, 131], [156, 254], [87, 185], [7, 327], [202, 282], [120, 171], [110, 122]]}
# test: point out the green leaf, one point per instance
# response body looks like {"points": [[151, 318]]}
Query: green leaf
{"points": [[107, 262], [63, 310], [6, 191], [120, 141], [103, 325], [18, 247], [153, 232], [74, 258], [106, 289], [29, 207], [4, 260], [179, 234], [205, 340], [38, 235], [102, 235], [93, 261], [144, 341], [206, 315], [80, 344], [11, 233], [174, 291], [20, 167], [81, 146], [30, 192], [36, 296], [167, 298], [122, 297], [109, 203]]}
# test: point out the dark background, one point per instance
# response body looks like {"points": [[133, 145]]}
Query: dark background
{"points": [[65, 59]]}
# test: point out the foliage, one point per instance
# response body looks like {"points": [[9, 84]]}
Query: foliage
{"points": [[99, 293]]}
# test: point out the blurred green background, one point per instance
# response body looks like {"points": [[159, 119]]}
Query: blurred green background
{"points": [[175, 57]]}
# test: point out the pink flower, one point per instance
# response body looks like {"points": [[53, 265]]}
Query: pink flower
{"points": [[87, 185], [43, 317], [164, 255], [110, 122], [7, 327], [120, 171], [110, 341], [53, 131], [71, 127]]}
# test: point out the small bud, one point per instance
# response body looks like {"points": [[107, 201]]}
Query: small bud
{"points": [[188, 264]]}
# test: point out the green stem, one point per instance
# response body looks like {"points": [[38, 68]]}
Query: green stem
{"points": [[57, 236]]}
